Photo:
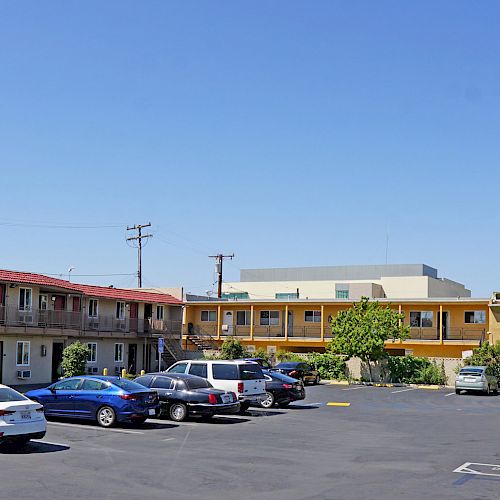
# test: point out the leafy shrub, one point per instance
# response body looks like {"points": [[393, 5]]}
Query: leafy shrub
{"points": [[486, 355], [329, 366], [73, 359], [410, 370], [289, 356], [232, 349], [260, 353]]}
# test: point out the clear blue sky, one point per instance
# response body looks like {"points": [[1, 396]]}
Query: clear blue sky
{"points": [[292, 133]]}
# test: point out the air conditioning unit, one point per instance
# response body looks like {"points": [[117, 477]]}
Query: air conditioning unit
{"points": [[121, 326], [23, 374], [92, 369], [94, 325], [26, 318]]}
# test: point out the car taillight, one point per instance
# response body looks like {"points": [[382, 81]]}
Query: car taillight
{"points": [[129, 397], [3, 413], [292, 373], [212, 399], [40, 409], [241, 387], [287, 386], [235, 398]]}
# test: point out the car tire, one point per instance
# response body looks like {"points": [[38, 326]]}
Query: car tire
{"points": [[458, 391], [244, 406], [269, 401], [106, 416], [488, 390], [317, 380], [178, 412]]}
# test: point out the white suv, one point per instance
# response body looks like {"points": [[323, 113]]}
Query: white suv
{"points": [[245, 378]]}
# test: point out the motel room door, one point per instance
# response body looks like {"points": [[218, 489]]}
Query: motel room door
{"points": [[228, 321]]}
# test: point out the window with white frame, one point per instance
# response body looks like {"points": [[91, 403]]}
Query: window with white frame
{"points": [[243, 318], [120, 310], [269, 318], [23, 353], [119, 353], [159, 312], [93, 308], [25, 299], [209, 316], [92, 357], [475, 317], [312, 316], [421, 319]]}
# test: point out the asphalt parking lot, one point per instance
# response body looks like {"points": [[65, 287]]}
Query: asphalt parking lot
{"points": [[370, 443]]}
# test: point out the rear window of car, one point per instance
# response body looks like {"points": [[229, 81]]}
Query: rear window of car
{"points": [[250, 372], [127, 385], [471, 371], [7, 394], [282, 378], [225, 371], [288, 365], [200, 383]]}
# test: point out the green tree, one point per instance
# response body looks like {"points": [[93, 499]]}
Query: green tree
{"points": [[362, 330], [486, 355], [232, 349], [74, 358]]}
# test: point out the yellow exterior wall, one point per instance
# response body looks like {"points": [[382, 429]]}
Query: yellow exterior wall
{"points": [[307, 335]]}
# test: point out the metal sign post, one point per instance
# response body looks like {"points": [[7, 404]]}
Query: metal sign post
{"points": [[161, 348]]}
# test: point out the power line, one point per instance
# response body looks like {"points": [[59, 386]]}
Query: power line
{"points": [[139, 238], [55, 225]]}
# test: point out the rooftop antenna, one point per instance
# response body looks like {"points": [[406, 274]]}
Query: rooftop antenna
{"points": [[70, 269]]}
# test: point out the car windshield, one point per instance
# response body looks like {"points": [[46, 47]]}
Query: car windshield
{"points": [[7, 394], [251, 372], [127, 385], [472, 371], [195, 383], [287, 365]]}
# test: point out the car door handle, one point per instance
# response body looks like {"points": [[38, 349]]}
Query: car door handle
{"points": [[99, 396], [71, 397]]}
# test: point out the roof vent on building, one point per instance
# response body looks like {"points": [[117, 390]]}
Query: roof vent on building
{"points": [[110, 286]]}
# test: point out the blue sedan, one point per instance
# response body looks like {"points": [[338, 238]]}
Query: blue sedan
{"points": [[105, 399]]}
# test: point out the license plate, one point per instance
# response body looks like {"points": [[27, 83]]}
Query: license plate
{"points": [[470, 379], [25, 415], [151, 411], [227, 398]]}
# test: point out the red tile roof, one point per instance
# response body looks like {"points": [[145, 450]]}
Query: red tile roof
{"points": [[90, 290]]}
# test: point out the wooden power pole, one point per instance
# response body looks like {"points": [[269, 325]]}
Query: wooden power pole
{"points": [[219, 258], [139, 238]]}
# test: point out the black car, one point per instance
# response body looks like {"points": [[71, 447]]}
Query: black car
{"points": [[299, 370], [281, 389], [182, 394]]}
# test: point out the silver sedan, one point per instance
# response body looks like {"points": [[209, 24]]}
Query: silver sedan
{"points": [[476, 378]]}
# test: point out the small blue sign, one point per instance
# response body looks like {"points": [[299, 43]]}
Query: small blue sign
{"points": [[161, 345]]}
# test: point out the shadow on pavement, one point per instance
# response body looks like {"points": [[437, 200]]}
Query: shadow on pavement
{"points": [[31, 448]]}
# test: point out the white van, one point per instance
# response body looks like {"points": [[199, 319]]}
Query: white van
{"points": [[245, 378]]}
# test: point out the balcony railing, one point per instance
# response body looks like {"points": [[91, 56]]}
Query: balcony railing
{"points": [[454, 333], [43, 318]]}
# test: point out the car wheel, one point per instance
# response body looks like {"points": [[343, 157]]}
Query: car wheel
{"points": [[268, 401], [488, 390], [317, 380], [457, 391], [178, 412], [244, 406], [106, 416]]}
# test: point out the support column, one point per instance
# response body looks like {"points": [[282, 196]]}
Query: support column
{"points": [[218, 322], [400, 322], [441, 324], [286, 322], [251, 322], [322, 324]]}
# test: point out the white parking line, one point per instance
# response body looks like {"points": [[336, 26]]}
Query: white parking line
{"points": [[88, 427], [169, 439], [450, 394], [354, 388], [38, 441], [479, 469], [403, 390]]}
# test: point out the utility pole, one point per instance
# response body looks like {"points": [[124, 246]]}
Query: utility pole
{"points": [[139, 237], [218, 269]]}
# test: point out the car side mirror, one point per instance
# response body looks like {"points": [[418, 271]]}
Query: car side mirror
{"points": [[52, 389]]}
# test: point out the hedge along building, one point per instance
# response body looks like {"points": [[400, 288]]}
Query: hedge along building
{"points": [[439, 327], [40, 315]]}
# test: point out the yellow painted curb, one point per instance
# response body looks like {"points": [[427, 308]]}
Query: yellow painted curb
{"points": [[338, 404], [383, 385], [429, 387], [339, 382]]}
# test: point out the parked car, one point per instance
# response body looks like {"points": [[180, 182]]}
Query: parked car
{"points": [[182, 395], [260, 361], [281, 390], [299, 370], [476, 378], [244, 378], [105, 399], [21, 419]]}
